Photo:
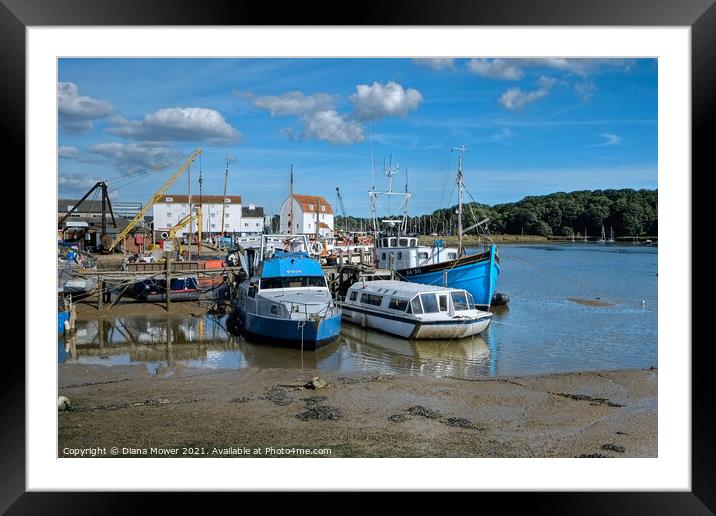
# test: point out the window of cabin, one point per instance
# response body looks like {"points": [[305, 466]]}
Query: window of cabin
{"points": [[398, 304], [452, 256], [423, 255], [459, 301], [413, 242], [371, 299], [415, 305], [470, 301], [354, 295], [400, 255], [391, 242], [443, 300], [403, 242], [383, 256], [430, 303]]}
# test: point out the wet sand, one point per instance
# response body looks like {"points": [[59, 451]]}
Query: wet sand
{"points": [[598, 414]]}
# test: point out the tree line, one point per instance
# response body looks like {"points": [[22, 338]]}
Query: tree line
{"points": [[629, 212]]}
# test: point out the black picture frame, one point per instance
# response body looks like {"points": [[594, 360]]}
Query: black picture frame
{"points": [[699, 15]]}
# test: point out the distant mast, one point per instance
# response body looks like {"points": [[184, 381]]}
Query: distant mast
{"points": [[290, 200], [462, 151]]}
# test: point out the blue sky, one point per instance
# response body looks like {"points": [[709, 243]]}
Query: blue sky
{"points": [[532, 126]]}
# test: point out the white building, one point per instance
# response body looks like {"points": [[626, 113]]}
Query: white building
{"points": [[252, 220], [309, 212], [171, 208]]}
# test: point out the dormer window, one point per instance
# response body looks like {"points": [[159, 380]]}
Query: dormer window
{"points": [[323, 208], [169, 199], [310, 207]]}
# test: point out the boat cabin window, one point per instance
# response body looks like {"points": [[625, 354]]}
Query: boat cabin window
{"points": [[400, 255], [459, 301], [371, 299], [423, 255], [403, 242], [442, 298], [470, 301], [413, 242], [293, 282], [398, 304], [275, 309], [430, 303], [415, 305], [252, 291], [385, 243], [391, 242], [354, 295], [452, 256], [383, 256]]}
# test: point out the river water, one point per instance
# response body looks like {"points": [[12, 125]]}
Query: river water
{"points": [[573, 307]]}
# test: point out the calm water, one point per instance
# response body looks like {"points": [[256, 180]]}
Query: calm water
{"points": [[540, 331]]}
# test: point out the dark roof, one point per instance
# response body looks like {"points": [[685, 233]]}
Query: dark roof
{"points": [[258, 211], [87, 206]]}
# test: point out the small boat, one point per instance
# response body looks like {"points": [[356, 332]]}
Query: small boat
{"points": [[611, 235], [154, 290], [286, 302], [603, 238], [414, 310]]}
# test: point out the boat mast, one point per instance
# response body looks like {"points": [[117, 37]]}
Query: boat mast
{"points": [[290, 198], [462, 151], [223, 203]]}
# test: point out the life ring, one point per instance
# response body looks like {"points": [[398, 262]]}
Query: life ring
{"points": [[233, 260], [316, 248], [165, 235]]}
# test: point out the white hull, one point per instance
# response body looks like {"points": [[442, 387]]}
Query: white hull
{"points": [[414, 328]]}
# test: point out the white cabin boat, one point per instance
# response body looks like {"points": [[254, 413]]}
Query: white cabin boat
{"points": [[414, 310]]}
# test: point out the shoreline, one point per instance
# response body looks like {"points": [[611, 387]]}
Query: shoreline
{"points": [[590, 414]]}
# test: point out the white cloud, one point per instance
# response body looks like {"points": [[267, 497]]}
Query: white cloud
{"points": [[178, 124], [74, 185], [135, 157], [77, 112], [436, 63], [610, 139], [496, 68], [515, 99], [67, 151], [331, 127], [296, 103], [379, 100]]}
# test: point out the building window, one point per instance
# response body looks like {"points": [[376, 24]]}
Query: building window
{"points": [[246, 224], [213, 225], [169, 214], [323, 208], [310, 207], [169, 199], [227, 225]]}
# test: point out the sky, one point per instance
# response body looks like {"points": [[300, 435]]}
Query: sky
{"points": [[531, 127]]}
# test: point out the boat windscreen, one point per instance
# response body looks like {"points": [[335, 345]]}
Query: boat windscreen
{"points": [[470, 301], [293, 282], [459, 301], [430, 303]]}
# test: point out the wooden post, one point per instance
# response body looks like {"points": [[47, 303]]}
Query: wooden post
{"points": [[169, 281], [100, 293], [350, 256]]}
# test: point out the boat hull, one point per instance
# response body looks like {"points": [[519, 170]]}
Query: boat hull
{"points": [[289, 332], [475, 273], [414, 328]]}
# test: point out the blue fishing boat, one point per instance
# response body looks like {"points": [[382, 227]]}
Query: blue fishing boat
{"points": [[475, 272], [286, 302]]}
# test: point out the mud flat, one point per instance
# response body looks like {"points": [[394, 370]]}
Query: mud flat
{"points": [[587, 414]]}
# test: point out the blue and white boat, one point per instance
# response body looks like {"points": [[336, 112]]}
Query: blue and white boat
{"points": [[286, 302], [452, 267]]}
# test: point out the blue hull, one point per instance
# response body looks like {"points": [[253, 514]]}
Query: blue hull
{"points": [[288, 333], [478, 275]]}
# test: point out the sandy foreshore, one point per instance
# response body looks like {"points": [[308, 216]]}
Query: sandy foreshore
{"points": [[222, 412]]}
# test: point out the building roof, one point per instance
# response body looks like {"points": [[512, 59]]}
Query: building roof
{"points": [[323, 225], [306, 201], [246, 211], [205, 199], [87, 206]]}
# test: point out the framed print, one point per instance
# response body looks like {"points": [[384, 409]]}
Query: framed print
{"points": [[424, 245]]}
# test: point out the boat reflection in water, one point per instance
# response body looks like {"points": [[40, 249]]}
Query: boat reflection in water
{"points": [[458, 357], [205, 343]]}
